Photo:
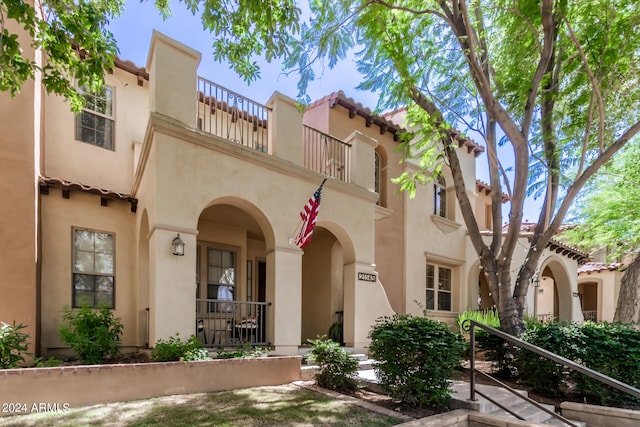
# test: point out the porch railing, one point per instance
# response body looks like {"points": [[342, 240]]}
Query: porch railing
{"points": [[591, 315], [229, 115], [221, 323], [325, 154]]}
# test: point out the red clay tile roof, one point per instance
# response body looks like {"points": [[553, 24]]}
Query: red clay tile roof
{"points": [[357, 109], [597, 267], [132, 68], [483, 187], [526, 230], [67, 186]]}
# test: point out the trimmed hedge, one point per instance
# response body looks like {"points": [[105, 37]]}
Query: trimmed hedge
{"points": [[612, 349], [415, 358]]}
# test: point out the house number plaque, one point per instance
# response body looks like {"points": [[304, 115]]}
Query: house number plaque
{"points": [[367, 277]]}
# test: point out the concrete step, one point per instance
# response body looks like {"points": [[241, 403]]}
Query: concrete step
{"points": [[460, 397], [527, 411], [559, 423]]}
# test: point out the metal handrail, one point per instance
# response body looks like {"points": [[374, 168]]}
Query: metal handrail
{"points": [[470, 325]]}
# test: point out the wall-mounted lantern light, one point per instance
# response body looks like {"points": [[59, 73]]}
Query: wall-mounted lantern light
{"points": [[178, 246]]}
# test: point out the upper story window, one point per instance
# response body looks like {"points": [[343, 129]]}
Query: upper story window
{"points": [[94, 125], [440, 197], [93, 268], [438, 292]]}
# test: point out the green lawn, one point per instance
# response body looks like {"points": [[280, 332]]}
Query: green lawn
{"points": [[280, 406]]}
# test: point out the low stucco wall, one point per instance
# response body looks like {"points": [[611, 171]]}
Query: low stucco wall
{"points": [[600, 416], [72, 386]]}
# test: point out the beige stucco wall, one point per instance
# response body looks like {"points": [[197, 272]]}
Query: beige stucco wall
{"points": [[73, 160], [19, 142], [87, 385], [607, 284], [389, 227], [59, 217], [183, 171]]}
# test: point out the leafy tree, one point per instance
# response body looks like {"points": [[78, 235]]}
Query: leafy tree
{"points": [[77, 46], [609, 217], [553, 82]]}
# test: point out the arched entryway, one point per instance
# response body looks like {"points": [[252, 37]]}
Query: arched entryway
{"points": [[554, 293], [322, 284], [231, 274], [588, 292], [485, 300], [142, 297]]}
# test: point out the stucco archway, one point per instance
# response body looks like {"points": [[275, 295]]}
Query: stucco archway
{"points": [[590, 291], [142, 296], [556, 297], [324, 279], [231, 264]]}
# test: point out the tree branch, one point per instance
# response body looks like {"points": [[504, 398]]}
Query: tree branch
{"points": [[592, 79], [549, 31]]}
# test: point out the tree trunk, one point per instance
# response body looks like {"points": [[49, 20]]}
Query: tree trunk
{"points": [[628, 308]]}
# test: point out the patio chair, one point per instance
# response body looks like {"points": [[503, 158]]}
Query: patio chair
{"points": [[201, 329]]}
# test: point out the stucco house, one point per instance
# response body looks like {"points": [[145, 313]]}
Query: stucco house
{"points": [[95, 203]]}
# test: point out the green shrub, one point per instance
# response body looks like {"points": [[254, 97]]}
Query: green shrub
{"points": [[51, 362], [611, 349], [13, 345], [415, 358], [486, 317], [247, 351], [337, 367], [543, 375], [94, 334], [174, 349]]}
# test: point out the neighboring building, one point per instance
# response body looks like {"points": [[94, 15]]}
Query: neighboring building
{"points": [[162, 155]]}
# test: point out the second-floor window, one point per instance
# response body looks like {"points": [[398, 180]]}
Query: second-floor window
{"points": [[438, 292], [440, 197], [95, 124]]}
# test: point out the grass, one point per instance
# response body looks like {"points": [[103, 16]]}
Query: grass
{"points": [[286, 405]]}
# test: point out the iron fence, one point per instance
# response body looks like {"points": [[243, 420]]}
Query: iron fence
{"points": [[222, 323], [325, 154], [229, 115]]}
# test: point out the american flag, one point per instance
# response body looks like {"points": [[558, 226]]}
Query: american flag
{"points": [[309, 215]]}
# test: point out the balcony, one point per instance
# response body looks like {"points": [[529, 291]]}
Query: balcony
{"points": [[231, 116], [325, 154], [240, 120]]}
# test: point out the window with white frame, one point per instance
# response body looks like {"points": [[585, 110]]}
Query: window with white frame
{"points": [[438, 292], [440, 197], [93, 268], [95, 124], [221, 277]]}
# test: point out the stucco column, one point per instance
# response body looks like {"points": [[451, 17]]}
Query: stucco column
{"points": [[364, 301], [284, 291], [362, 160], [285, 129], [173, 69], [172, 285]]}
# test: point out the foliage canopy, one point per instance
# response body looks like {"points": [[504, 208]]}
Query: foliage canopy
{"points": [[553, 85], [78, 47]]}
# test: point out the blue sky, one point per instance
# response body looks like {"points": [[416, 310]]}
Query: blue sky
{"points": [[133, 32]]}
